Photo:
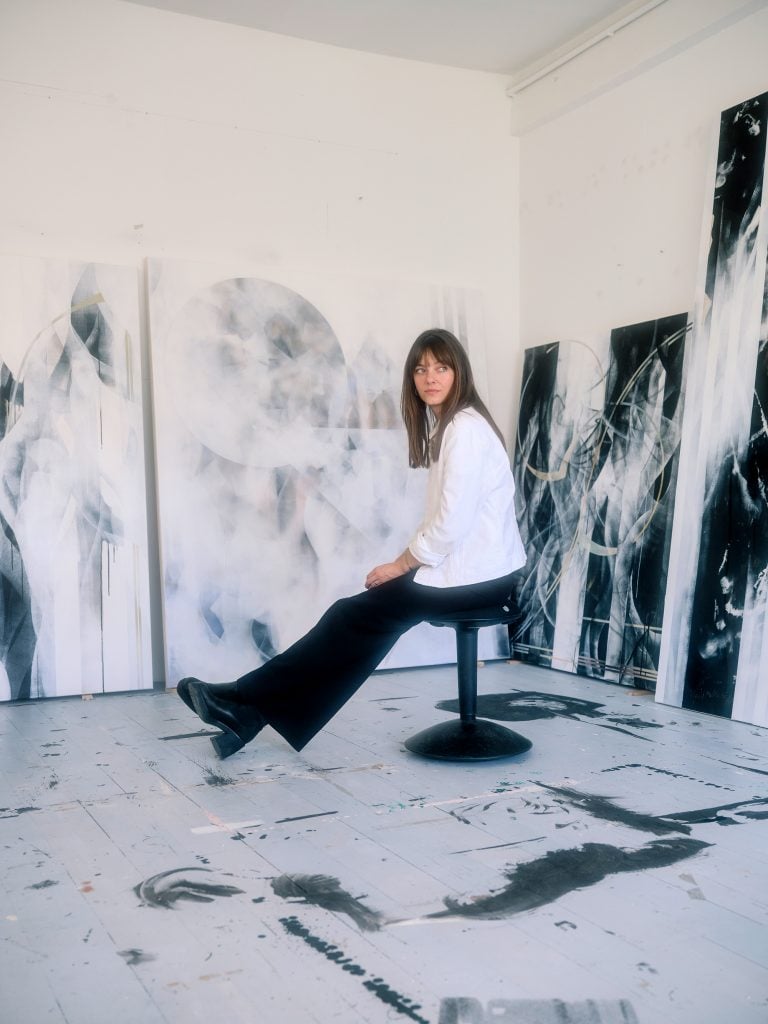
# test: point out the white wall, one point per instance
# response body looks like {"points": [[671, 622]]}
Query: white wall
{"points": [[614, 193], [138, 132], [129, 132]]}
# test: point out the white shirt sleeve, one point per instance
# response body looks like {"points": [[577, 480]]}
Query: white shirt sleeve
{"points": [[451, 513]]}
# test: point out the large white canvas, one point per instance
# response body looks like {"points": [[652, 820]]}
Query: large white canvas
{"points": [[73, 543], [282, 462]]}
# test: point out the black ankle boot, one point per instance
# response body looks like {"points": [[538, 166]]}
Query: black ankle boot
{"points": [[215, 705], [227, 691]]}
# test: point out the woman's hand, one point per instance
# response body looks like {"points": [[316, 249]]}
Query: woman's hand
{"points": [[383, 573], [391, 570]]}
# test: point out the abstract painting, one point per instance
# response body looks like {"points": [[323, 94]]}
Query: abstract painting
{"points": [[282, 462], [595, 467], [73, 533], [715, 652]]}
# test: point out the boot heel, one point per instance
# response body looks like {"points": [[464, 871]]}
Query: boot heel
{"points": [[226, 744]]}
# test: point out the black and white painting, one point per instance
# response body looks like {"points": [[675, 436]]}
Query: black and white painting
{"points": [[595, 466], [715, 650], [282, 462], [74, 596]]}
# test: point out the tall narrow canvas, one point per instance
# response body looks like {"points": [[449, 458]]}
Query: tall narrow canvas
{"points": [[595, 466], [715, 652], [282, 462], [74, 597]]}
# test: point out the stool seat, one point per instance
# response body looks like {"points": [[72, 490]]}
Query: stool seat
{"points": [[469, 738]]}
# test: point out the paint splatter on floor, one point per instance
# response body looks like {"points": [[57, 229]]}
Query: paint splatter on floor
{"points": [[539, 882], [135, 956], [163, 890], [326, 892], [377, 986]]}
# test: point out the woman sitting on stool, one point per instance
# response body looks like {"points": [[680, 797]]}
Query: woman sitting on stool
{"points": [[461, 557]]}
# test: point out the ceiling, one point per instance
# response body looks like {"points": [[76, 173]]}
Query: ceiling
{"points": [[503, 36]]}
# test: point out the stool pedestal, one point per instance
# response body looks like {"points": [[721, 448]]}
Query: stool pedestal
{"points": [[469, 738]]}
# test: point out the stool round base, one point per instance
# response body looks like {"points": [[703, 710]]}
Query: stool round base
{"points": [[456, 740]]}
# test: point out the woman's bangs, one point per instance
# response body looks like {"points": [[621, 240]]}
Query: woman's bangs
{"points": [[440, 350]]}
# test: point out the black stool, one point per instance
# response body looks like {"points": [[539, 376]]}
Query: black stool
{"points": [[469, 738]]}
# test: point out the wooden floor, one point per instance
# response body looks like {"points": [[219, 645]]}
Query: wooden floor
{"points": [[615, 873]]}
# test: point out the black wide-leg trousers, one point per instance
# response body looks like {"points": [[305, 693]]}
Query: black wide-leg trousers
{"points": [[300, 690]]}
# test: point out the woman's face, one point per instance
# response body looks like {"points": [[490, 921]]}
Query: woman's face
{"points": [[434, 381]]}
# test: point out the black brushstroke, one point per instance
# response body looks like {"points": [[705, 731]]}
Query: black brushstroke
{"points": [[542, 518], [665, 771], [377, 986], [716, 815], [744, 768], [733, 548], [159, 891], [18, 638], [645, 381], [135, 956], [45, 884], [213, 778], [326, 892], [294, 927], [261, 635], [605, 809], [91, 327], [539, 882], [659, 824], [16, 811], [528, 705], [499, 846], [562, 461], [303, 817], [190, 735]]}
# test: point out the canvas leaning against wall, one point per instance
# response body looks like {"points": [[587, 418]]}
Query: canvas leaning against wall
{"points": [[282, 461], [595, 469], [73, 533], [715, 650]]}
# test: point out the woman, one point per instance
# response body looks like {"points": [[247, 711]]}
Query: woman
{"points": [[461, 557]]}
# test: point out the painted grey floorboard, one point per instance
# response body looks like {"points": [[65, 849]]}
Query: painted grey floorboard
{"points": [[614, 874]]}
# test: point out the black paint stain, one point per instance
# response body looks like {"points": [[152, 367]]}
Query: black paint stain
{"points": [[190, 735], [716, 815], [530, 705], [46, 884], [16, 811], [303, 817], [634, 722], [160, 891], [604, 808], [659, 824], [672, 775], [499, 846], [326, 892], [213, 778], [378, 987], [392, 998], [756, 771], [135, 956], [559, 872]]}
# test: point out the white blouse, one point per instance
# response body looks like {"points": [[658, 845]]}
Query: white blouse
{"points": [[469, 533]]}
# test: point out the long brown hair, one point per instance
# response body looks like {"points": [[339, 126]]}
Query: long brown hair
{"points": [[447, 349]]}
